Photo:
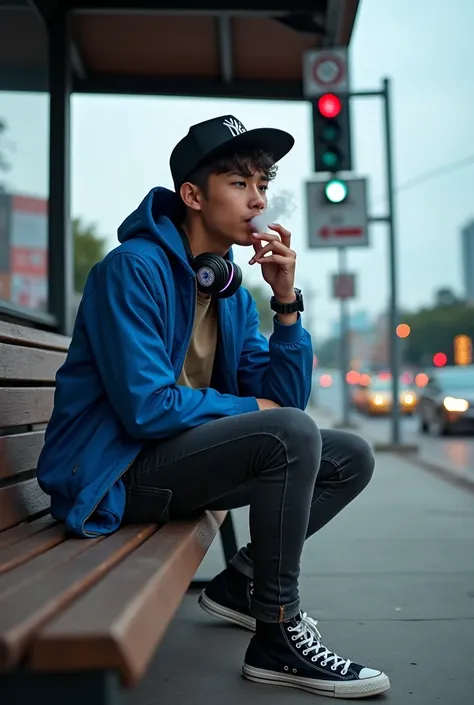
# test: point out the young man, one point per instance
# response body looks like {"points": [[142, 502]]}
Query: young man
{"points": [[171, 400]]}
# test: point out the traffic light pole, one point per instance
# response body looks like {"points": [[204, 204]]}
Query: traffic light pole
{"points": [[394, 345]]}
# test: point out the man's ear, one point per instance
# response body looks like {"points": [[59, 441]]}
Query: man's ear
{"points": [[191, 196]]}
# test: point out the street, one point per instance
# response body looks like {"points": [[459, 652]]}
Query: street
{"points": [[456, 452]]}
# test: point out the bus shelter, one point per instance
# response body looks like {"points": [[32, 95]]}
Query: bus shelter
{"points": [[61, 47]]}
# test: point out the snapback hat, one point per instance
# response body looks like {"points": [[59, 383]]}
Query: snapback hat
{"points": [[221, 135]]}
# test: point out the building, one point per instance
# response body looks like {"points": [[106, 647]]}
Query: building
{"points": [[359, 322], [467, 260], [24, 251]]}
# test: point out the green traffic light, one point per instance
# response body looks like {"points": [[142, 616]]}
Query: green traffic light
{"points": [[336, 191]]}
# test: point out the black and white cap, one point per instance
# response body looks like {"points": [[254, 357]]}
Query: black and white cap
{"points": [[224, 134]]}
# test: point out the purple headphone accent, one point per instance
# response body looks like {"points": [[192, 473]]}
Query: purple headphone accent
{"points": [[229, 282]]}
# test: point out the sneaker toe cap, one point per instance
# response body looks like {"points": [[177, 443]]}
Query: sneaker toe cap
{"points": [[369, 673]]}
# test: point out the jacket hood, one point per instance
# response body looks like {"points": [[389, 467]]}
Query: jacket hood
{"points": [[155, 219]]}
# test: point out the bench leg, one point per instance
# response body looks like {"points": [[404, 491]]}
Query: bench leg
{"points": [[94, 687], [229, 547], [228, 538]]}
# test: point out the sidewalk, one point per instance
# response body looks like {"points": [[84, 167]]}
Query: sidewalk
{"points": [[391, 580]]}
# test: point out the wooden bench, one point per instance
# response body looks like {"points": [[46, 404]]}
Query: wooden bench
{"points": [[80, 619]]}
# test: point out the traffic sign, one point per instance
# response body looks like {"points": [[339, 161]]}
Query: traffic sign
{"points": [[337, 224], [325, 70], [343, 286]]}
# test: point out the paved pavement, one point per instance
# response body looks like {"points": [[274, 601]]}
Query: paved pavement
{"points": [[391, 580]]}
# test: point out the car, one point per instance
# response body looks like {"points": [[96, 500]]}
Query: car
{"points": [[375, 397], [446, 403]]}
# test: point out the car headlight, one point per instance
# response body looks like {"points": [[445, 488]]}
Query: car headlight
{"points": [[454, 404], [378, 400], [408, 398]]}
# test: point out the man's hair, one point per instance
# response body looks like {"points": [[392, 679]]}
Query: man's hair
{"points": [[244, 162]]}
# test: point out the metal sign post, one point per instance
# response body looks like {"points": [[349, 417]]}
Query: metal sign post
{"points": [[339, 225], [344, 289]]}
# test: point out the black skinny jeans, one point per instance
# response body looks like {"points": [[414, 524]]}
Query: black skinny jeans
{"points": [[294, 477]]}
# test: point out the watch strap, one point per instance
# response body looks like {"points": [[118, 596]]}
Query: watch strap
{"points": [[293, 307]]}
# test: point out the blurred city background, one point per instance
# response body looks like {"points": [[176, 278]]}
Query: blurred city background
{"points": [[379, 189]]}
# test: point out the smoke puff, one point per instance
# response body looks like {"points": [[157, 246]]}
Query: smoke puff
{"points": [[282, 205]]}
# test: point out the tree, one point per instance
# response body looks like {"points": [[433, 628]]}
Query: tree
{"points": [[88, 249], [262, 300], [445, 297], [434, 329]]}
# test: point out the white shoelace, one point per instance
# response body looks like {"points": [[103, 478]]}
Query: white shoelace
{"points": [[306, 632]]}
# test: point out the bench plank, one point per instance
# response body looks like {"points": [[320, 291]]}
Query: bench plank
{"points": [[40, 566], [30, 607], [14, 556], [110, 627], [19, 452], [15, 535], [20, 407], [22, 335], [29, 364], [20, 501]]}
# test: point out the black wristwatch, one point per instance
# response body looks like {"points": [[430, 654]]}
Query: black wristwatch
{"points": [[293, 307]]}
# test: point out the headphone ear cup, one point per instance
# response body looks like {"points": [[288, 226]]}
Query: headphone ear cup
{"points": [[211, 273], [234, 280]]}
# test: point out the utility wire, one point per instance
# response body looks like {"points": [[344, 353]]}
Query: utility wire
{"points": [[432, 174]]}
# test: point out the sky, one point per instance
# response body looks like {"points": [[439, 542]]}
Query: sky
{"points": [[121, 147]]}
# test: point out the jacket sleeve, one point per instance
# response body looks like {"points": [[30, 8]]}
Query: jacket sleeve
{"points": [[279, 369], [126, 334]]}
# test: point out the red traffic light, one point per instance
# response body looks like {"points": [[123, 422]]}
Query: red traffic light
{"points": [[329, 105], [439, 359]]}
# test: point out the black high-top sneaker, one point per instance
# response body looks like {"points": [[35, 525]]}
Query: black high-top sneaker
{"points": [[228, 596], [291, 654]]}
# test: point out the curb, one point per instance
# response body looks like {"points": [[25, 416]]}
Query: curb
{"points": [[407, 453]]}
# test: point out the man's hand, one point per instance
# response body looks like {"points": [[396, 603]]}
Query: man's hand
{"points": [[278, 268], [264, 404]]}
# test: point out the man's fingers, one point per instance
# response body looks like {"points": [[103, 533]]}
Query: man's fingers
{"points": [[265, 237], [276, 246], [275, 259], [283, 232]]}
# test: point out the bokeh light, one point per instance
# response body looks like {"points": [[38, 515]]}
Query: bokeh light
{"points": [[421, 380], [439, 359], [325, 380], [403, 330]]}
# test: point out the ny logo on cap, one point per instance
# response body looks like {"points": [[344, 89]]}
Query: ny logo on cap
{"points": [[235, 126]]}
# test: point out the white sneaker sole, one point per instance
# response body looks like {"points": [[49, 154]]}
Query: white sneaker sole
{"points": [[217, 610], [350, 689]]}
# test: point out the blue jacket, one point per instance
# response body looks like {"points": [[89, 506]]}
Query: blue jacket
{"points": [[117, 388]]}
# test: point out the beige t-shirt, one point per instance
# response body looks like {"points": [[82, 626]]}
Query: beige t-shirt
{"points": [[197, 368]]}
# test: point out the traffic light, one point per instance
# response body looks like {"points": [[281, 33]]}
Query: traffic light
{"points": [[331, 129], [462, 350], [336, 190]]}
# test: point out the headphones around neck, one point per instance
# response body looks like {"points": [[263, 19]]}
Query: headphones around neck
{"points": [[214, 274]]}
